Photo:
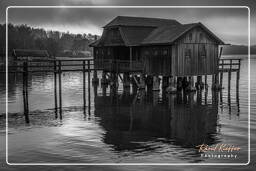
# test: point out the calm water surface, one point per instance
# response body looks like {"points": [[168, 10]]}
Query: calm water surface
{"points": [[123, 127]]}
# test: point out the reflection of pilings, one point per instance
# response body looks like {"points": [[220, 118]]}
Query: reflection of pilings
{"points": [[25, 91], [237, 102], [205, 96], [55, 90], [60, 93], [221, 100], [104, 90], [215, 97]]}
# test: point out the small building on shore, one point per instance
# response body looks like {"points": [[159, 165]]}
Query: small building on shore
{"points": [[30, 55], [156, 46]]}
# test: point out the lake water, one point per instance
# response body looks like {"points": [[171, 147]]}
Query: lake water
{"points": [[123, 127]]}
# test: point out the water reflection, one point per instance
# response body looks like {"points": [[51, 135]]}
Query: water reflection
{"points": [[133, 121]]}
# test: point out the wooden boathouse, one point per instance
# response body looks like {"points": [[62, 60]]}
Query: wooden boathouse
{"points": [[154, 47]]}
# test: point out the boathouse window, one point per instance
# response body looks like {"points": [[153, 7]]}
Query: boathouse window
{"points": [[203, 52], [190, 36], [188, 53], [201, 37]]}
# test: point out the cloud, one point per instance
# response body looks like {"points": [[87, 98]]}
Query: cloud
{"points": [[229, 24]]}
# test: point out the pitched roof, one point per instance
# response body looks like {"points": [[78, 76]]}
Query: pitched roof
{"points": [[167, 34], [30, 53], [140, 21], [133, 36], [146, 31]]}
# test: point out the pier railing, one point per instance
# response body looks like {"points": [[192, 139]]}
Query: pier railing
{"points": [[119, 65], [227, 65]]}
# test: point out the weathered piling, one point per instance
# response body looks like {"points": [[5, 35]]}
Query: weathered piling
{"points": [[238, 75], [165, 82], [89, 75], [199, 83], [205, 82], [104, 78], [55, 89], [126, 80], [89, 87], [221, 73], [156, 83], [84, 86], [25, 91], [95, 79], [171, 88], [60, 91], [142, 81], [191, 86], [229, 80]]}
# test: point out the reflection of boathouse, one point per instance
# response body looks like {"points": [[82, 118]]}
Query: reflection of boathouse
{"points": [[129, 122]]}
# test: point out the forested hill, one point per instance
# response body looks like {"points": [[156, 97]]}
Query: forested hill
{"points": [[238, 50], [57, 43]]}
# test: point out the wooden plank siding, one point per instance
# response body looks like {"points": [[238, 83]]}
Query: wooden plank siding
{"points": [[157, 60], [202, 58]]}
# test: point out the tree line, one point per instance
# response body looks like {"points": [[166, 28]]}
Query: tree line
{"points": [[55, 42]]}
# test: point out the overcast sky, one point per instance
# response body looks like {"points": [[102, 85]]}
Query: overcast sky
{"points": [[231, 25]]}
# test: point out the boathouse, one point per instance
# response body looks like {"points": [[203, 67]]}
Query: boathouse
{"points": [[157, 46]]}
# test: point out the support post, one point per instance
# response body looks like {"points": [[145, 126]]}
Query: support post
{"points": [[89, 87], [199, 84], [156, 83], [191, 86], [142, 81], [95, 79], [205, 82], [238, 75], [171, 88], [229, 80], [84, 86], [165, 82], [60, 91], [104, 78], [89, 75], [55, 90], [25, 91]]}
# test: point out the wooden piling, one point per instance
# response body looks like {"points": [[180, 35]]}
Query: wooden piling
{"points": [[205, 82], [84, 94], [25, 91], [60, 93], [89, 87], [238, 75], [221, 74], [55, 89], [229, 81]]}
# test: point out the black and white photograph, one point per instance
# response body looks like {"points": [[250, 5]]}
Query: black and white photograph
{"points": [[127, 85]]}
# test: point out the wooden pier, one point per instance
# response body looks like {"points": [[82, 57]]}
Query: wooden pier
{"points": [[86, 66]]}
